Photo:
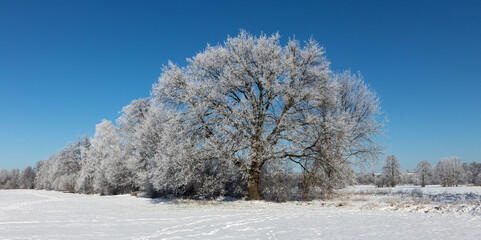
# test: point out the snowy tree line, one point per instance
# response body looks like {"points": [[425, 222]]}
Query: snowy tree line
{"points": [[248, 118], [15, 179], [280, 182], [448, 172]]}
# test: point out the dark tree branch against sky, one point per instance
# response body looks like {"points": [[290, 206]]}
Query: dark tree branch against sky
{"points": [[66, 65]]}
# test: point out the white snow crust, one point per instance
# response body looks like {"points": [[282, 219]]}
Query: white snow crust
{"points": [[34, 214]]}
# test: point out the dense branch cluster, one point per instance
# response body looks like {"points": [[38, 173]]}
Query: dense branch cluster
{"points": [[240, 116]]}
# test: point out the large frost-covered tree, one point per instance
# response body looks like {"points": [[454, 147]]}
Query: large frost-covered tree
{"points": [[104, 168], [244, 102], [141, 128], [243, 99], [107, 150]]}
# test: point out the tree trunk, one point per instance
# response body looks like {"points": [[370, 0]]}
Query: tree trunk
{"points": [[253, 189], [306, 185], [253, 186], [328, 190], [256, 167]]}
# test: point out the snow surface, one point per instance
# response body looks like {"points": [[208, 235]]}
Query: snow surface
{"points": [[463, 200], [33, 214], [429, 189]]}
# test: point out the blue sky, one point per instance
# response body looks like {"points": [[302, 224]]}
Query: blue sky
{"points": [[66, 65]]}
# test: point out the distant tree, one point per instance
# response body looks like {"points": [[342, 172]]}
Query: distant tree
{"points": [[381, 181], [424, 170], [473, 170], [67, 163], [4, 176], [13, 179], [391, 170], [64, 170], [43, 179], [27, 178], [407, 178], [478, 180], [89, 166], [449, 171], [365, 178]]}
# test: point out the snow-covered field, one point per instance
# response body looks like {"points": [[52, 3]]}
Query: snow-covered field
{"points": [[430, 189], [32, 214], [463, 200]]}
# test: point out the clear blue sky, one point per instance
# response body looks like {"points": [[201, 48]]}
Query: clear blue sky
{"points": [[66, 65]]}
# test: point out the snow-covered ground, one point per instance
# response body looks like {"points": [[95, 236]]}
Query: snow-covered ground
{"points": [[429, 189], [463, 200], [32, 214]]}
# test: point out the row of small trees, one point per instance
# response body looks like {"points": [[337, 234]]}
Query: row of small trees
{"points": [[447, 172], [15, 179], [239, 116]]}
